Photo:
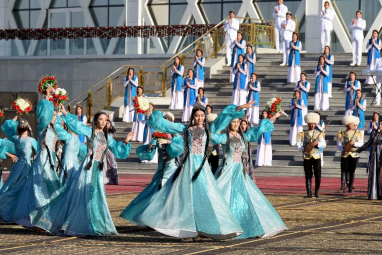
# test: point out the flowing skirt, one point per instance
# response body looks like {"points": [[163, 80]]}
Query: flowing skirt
{"points": [[186, 208], [71, 166], [321, 101], [256, 215], [200, 83], [294, 73], [187, 109], [253, 114], [128, 114], [36, 191], [140, 203], [264, 154], [80, 208], [294, 130]]}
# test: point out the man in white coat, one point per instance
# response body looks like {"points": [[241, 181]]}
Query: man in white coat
{"points": [[357, 26], [326, 18], [288, 26], [279, 14], [231, 26]]}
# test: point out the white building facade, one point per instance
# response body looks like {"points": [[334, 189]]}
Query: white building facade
{"points": [[21, 14]]}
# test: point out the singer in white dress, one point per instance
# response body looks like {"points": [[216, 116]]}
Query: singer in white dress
{"points": [[303, 86], [296, 122], [239, 94], [321, 96], [373, 48], [131, 84], [329, 60], [177, 71], [198, 64], [264, 146], [294, 68], [238, 48]]}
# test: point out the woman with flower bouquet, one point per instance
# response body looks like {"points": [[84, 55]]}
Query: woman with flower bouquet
{"points": [[296, 121], [264, 145], [169, 147], [139, 120], [47, 85]]}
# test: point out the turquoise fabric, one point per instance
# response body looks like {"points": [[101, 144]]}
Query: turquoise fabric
{"points": [[45, 113], [251, 208], [225, 117], [185, 208], [80, 207]]}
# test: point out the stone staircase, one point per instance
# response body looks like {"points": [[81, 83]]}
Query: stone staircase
{"points": [[287, 160]]}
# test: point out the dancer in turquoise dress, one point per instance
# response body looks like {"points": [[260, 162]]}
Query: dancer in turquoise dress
{"points": [[81, 206], [190, 203], [256, 215], [168, 151], [42, 180], [73, 152], [7, 148]]}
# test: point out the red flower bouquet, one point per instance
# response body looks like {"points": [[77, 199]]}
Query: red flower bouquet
{"points": [[141, 104], [159, 135], [2, 114], [59, 96], [45, 82], [274, 106], [21, 105]]}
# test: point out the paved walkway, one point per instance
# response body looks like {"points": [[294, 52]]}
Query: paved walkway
{"points": [[335, 223]]}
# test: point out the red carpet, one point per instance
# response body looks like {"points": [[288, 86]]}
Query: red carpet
{"points": [[268, 184]]}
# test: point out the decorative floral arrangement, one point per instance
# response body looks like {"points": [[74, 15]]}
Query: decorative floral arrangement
{"points": [[159, 135], [21, 105], [60, 96], [45, 82], [2, 114], [141, 104], [274, 106]]}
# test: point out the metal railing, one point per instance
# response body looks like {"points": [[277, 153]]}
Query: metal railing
{"points": [[157, 79]]}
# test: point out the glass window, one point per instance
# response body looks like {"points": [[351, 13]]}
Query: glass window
{"points": [[347, 10], [77, 19], [120, 48], [206, 1], [90, 49], [22, 19], [114, 15], [58, 3], [57, 47], [41, 48], [212, 13], [161, 14], [57, 19], [176, 14], [73, 3], [159, 2], [21, 4], [227, 7], [76, 46], [35, 4], [33, 18], [266, 9], [98, 2], [117, 2], [105, 43], [370, 11], [178, 1], [99, 16]]}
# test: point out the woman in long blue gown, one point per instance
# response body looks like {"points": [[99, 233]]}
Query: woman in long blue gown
{"points": [[81, 206], [166, 166], [42, 180], [190, 202], [7, 148], [256, 215], [73, 152]]}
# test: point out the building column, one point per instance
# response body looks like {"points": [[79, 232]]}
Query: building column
{"points": [[5, 45]]}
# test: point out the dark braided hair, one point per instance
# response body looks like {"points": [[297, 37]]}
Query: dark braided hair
{"points": [[208, 146], [91, 140]]}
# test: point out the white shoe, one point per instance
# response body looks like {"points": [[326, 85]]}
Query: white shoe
{"points": [[358, 64], [377, 104], [283, 64], [352, 64]]}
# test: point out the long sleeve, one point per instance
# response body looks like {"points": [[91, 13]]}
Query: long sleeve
{"points": [[291, 106], [298, 47], [242, 44], [180, 72], [243, 71], [307, 88], [35, 145], [290, 26], [77, 126], [330, 62], [368, 46], [358, 141], [253, 134], [235, 24], [119, 149], [326, 71], [258, 89], [219, 138], [62, 134], [233, 45], [361, 25], [82, 152], [157, 122], [45, 113], [6, 146], [346, 88], [144, 152], [10, 128], [339, 143], [176, 147], [321, 143], [317, 72], [299, 142], [366, 146], [363, 105], [201, 63], [228, 114], [300, 106]]}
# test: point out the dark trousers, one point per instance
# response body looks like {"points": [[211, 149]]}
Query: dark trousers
{"points": [[214, 163], [349, 164], [313, 166]]}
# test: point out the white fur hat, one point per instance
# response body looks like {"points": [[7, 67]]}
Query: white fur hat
{"points": [[211, 117], [169, 115], [312, 117], [350, 119]]}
